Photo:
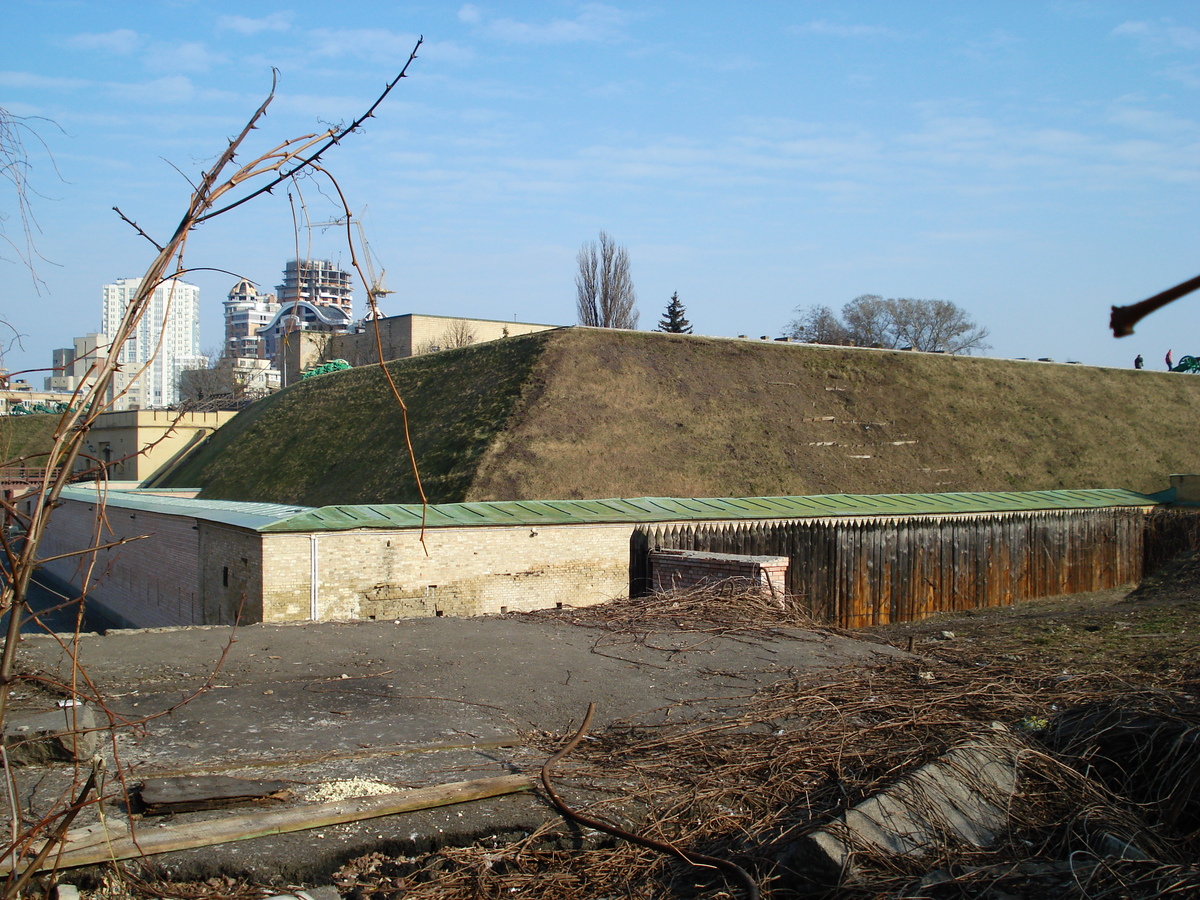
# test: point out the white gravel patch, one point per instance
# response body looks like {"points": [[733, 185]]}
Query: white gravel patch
{"points": [[344, 790]]}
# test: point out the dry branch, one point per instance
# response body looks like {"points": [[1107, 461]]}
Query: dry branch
{"points": [[222, 179], [744, 783], [1123, 318]]}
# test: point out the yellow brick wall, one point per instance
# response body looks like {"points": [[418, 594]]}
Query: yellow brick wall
{"points": [[407, 335], [230, 574], [467, 571], [286, 563], [149, 583]]}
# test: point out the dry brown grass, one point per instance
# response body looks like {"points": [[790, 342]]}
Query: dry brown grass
{"points": [[623, 414]]}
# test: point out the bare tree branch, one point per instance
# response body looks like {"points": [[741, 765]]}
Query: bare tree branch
{"points": [[1123, 318], [281, 162], [330, 138], [137, 228], [14, 169]]}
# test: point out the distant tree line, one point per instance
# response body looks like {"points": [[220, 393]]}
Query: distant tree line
{"points": [[871, 321]]}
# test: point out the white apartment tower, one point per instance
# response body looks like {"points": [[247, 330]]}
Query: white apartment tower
{"points": [[173, 315]]}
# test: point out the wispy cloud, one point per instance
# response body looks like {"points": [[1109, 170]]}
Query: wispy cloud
{"points": [[998, 45], [825, 28], [595, 22], [171, 89], [382, 45], [41, 82], [121, 42], [157, 56], [1188, 76], [1163, 36], [1127, 114], [280, 21], [190, 56]]}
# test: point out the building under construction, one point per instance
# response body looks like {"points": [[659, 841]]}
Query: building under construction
{"points": [[319, 282]]}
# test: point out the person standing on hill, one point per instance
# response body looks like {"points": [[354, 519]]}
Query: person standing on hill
{"points": [[1168, 360], [1138, 362]]}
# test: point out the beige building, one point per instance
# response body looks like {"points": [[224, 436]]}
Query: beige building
{"points": [[73, 365], [401, 337], [232, 377], [139, 445], [211, 562]]}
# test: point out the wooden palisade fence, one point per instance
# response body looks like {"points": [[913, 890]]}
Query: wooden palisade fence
{"points": [[862, 571]]}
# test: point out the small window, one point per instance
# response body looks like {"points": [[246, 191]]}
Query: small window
{"points": [[225, 576]]}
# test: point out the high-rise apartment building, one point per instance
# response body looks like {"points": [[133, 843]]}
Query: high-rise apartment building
{"points": [[319, 282], [165, 342], [246, 311]]}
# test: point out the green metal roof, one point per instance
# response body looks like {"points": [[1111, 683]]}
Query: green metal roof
{"points": [[671, 509], [255, 516]]}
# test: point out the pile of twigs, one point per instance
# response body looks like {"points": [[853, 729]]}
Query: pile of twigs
{"points": [[793, 756], [721, 608]]}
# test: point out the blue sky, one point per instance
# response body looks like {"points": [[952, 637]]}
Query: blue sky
{"points": [[1032, 162]]}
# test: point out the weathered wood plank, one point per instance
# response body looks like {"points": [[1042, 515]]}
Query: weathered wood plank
{"points": [[160, 796], [97, 844]]}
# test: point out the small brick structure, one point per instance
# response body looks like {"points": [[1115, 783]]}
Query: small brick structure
{"points": [[682, 569]]}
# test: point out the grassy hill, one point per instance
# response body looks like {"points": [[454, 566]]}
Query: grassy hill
{"points": [[339, 438], [579, 413], [27, 437]]}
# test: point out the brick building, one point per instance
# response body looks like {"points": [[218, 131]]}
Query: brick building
{"points": [[852, 559]]}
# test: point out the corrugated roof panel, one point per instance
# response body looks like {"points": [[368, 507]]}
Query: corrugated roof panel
{"points": [[269, 517], [226, 512], [657, 509]]}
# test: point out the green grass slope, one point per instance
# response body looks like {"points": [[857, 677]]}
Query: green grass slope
{"points": [[26, 437], [339, 438], [580, 413]]}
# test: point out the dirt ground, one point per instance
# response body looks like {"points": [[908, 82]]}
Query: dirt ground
{"points": [[1149, 636], [731, 731]]}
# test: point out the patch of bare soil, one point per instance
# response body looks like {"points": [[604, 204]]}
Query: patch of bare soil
{"points": [[1148, 636]]}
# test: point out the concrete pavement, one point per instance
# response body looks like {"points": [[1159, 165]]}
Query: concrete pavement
{"points": [[409, 703]]}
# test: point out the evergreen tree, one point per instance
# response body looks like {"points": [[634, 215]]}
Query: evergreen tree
{"points": [[673, 321]]}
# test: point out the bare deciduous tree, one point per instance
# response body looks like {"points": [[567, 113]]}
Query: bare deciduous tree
{"points": [[871, 321], [936, 325], [868, 322], [458, 334], [223, 187], [204, 383], [603, 286], [818, 325], [14, 177]]}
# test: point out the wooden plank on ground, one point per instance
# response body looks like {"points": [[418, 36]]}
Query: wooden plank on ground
{"points": [[96, 844], [161, 796]]}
